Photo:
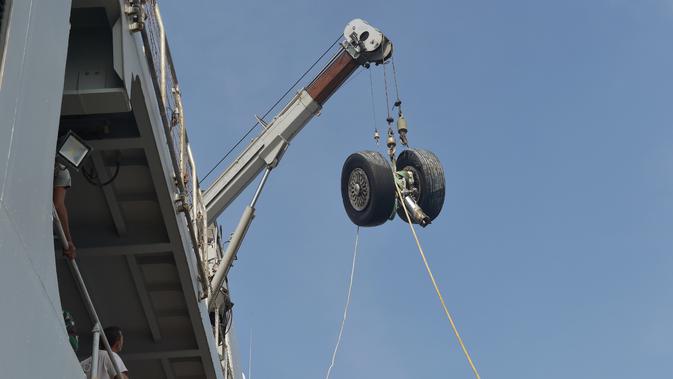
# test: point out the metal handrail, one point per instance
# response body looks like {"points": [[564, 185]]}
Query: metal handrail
{"points": [[165, 81], [97, 328], [167, 91]]}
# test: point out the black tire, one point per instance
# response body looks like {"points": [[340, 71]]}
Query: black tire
{"points": [[429, 177], [367, 188]]}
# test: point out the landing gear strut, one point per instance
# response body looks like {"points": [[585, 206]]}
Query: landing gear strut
{"points": [[424, 179], [368, 187]]}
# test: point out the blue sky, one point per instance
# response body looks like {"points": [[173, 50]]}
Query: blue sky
{"points": [[553, 121]]}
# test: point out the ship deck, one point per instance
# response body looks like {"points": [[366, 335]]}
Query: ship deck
{"points": [[139, 248]]}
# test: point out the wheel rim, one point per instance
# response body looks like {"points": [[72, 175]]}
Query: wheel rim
{"points": [[358, 189]]}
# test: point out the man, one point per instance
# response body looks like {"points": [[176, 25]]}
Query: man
{"points": [[105, 368], [63, 181], [70, 327]]}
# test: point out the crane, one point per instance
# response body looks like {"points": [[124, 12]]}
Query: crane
{"points": [[368, 202]]}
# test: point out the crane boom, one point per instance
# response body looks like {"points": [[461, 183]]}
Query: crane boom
{"points": [[363, 45], [264, 151]]}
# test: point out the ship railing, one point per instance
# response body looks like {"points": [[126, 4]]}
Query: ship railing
{"points": [[97, 327], [167, 90]]}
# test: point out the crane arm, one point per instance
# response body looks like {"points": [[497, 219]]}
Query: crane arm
{"points": [[363, 45]]}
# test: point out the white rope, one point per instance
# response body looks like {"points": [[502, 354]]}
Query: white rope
{"points": [[348, 302], [250, 357]]}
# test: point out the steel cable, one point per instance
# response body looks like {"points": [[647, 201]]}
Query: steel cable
{"points": [[270, 109], [397, 88], [389, 120], [371, 90]]}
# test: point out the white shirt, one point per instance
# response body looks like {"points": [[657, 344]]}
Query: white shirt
{"points": [[105, 368]]}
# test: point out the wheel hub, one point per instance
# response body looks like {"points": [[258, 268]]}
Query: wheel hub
{"points": [[358, 189], [415, 186]]}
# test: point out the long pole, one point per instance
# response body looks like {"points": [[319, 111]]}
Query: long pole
{"points": [[83, 291], [94, 352]]}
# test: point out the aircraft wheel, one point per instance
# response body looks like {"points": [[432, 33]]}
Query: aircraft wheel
{"points": [[367, 188], [428, 177]]}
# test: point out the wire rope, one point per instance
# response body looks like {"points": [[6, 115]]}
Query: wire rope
{"points": [[397, 88], [371, 90], [270, 109], [434, 283], [389, 120], [348, 302]]}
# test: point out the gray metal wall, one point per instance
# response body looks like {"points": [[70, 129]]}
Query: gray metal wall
{"points": [[34, 341]]}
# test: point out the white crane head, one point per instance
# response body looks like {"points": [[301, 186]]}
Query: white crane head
{"points": [[366, 43]]}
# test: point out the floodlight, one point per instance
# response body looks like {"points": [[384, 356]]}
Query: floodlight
{"points": [[73, 149]]}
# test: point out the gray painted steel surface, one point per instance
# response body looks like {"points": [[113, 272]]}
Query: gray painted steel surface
{"points": [[134, 246], [35, 342]]}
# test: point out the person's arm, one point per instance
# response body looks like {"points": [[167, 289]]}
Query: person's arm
{"points": [[62, 212], [122, 367], [111, 371]]}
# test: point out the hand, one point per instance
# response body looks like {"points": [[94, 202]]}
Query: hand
{"points": [[71, 252]]}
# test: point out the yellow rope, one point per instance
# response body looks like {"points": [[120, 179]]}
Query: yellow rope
{"points": [[434, 283]]}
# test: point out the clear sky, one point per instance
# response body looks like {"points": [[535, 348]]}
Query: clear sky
{"points": [[554, 123]]}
